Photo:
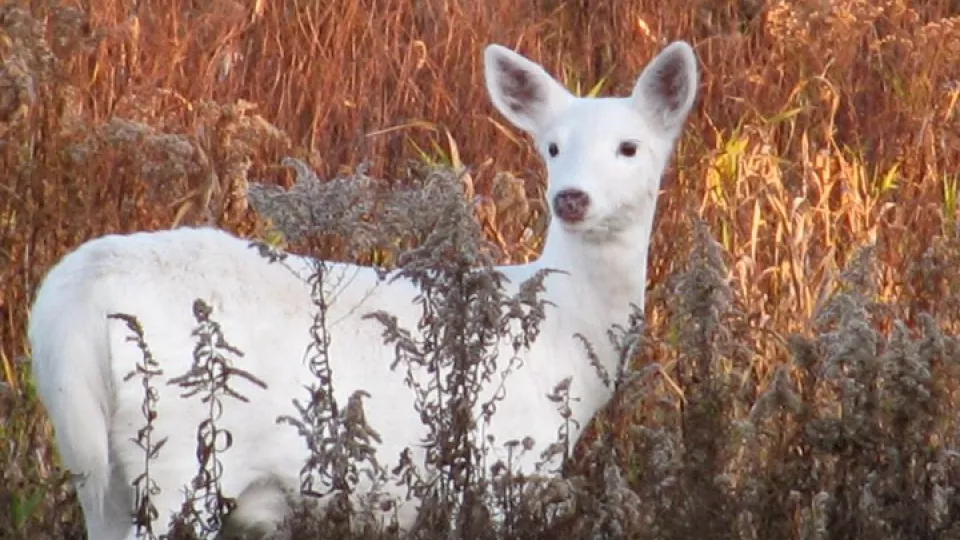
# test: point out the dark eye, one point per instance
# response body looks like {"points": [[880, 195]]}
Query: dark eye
{"points": [[627, 149], [553, 150]]}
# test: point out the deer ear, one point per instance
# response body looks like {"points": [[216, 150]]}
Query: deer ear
{"points": [[522, 91], [667, 88]]}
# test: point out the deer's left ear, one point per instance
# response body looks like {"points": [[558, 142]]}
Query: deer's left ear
{"points": [[667, 88]]}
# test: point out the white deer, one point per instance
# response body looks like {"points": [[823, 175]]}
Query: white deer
{"points": [[604, 158]]}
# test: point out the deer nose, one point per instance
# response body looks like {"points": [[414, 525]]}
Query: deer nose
{"points": [[571, 205]]}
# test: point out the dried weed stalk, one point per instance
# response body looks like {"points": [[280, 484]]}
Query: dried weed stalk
{"points": [[145, 488], [205, 507]]}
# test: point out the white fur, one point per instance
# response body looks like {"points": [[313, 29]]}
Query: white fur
{"points": [[80, 358]]}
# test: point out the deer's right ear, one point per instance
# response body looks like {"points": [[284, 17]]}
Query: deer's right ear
{"points": [[522, 91]]}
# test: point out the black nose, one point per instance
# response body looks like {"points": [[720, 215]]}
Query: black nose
{"points": [[571, 205]]}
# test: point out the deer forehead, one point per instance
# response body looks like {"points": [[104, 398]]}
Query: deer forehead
{"points": [[598, 122]]}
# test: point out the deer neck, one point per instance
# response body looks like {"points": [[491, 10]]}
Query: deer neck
{"points": [[605, 276]]}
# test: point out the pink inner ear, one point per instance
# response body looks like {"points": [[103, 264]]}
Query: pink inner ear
{"points": [[518, 87], [670, 83]]}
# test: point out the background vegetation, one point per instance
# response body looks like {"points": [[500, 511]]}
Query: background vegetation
{"points": [[809, 403]]}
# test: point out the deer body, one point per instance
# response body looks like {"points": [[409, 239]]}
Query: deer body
{"points": [[604, 160]]}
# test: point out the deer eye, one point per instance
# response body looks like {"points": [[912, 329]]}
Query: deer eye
{"points": [[627, 149], [553, 149]]}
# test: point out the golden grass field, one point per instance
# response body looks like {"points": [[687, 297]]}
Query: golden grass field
{"points": [[821, 127]]}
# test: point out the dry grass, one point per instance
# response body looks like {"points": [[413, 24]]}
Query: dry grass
{"points": [[808, 406]]}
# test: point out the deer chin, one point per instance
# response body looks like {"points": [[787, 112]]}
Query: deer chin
{"points": [[598, 229], [575, 227]]}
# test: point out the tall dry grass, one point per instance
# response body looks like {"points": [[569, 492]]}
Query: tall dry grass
{"points": [[821, 128]]}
